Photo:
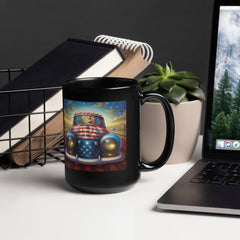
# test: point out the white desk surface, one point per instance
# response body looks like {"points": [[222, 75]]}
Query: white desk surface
{"points": [[37, 204]]}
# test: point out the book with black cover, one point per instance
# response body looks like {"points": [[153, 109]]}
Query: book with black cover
{"points": [[73, 58]]}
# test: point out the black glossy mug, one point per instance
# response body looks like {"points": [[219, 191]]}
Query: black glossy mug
{"points": [[101, 125]]}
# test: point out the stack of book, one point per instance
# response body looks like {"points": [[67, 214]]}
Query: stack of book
{"points": [[31, 115]]}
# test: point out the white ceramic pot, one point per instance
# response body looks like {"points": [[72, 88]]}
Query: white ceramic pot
{"points": [[153, 130]]}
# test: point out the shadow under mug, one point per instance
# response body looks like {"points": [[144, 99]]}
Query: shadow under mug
{"points": [[101, 126]]}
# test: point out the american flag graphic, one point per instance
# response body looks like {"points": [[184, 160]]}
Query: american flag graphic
{"points": [[89, 131]]}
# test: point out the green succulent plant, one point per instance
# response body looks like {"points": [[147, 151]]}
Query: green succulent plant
{"points": [[176, 86]]}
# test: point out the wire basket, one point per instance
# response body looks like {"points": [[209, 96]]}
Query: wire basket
{"points": [[45, 153]]}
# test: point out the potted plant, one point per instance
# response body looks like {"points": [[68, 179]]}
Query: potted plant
{"points": [[183, 91]]}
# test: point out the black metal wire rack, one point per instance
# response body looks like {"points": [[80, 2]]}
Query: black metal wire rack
{"points": [[47, 153]]}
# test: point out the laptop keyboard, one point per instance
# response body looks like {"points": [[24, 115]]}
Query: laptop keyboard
{"points": [[220, 174]]}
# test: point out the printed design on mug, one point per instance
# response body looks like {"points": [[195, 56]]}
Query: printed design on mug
{"points": [[95, 135]]}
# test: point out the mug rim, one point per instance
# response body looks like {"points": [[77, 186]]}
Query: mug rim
{"points": [[102, 82]]}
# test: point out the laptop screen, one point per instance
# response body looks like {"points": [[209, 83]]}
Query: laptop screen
{"points": [[225, 112]]}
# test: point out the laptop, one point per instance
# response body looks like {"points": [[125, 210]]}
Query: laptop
{"points": [[212, 185]]}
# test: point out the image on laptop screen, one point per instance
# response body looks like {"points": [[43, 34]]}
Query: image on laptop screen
{"points": [[225, 124]]}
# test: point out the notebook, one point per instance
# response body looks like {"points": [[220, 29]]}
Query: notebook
{"points": [[72, 58], [212, 185], [137, 56]]}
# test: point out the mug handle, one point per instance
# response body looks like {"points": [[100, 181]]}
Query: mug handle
{"points": [[170, 126]]}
